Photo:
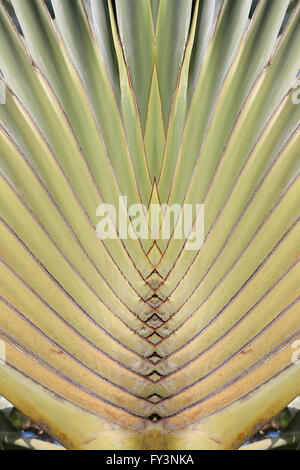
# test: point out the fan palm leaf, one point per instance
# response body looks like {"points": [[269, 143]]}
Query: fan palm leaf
{"points": [[136, 343]]}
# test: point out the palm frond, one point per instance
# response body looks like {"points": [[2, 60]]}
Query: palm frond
{"points": [[139, 343]]}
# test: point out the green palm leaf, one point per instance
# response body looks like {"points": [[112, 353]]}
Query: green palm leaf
{"points": [[139, 343]]}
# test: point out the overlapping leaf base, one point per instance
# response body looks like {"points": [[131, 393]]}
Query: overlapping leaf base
{"points": [[142, 344]]}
